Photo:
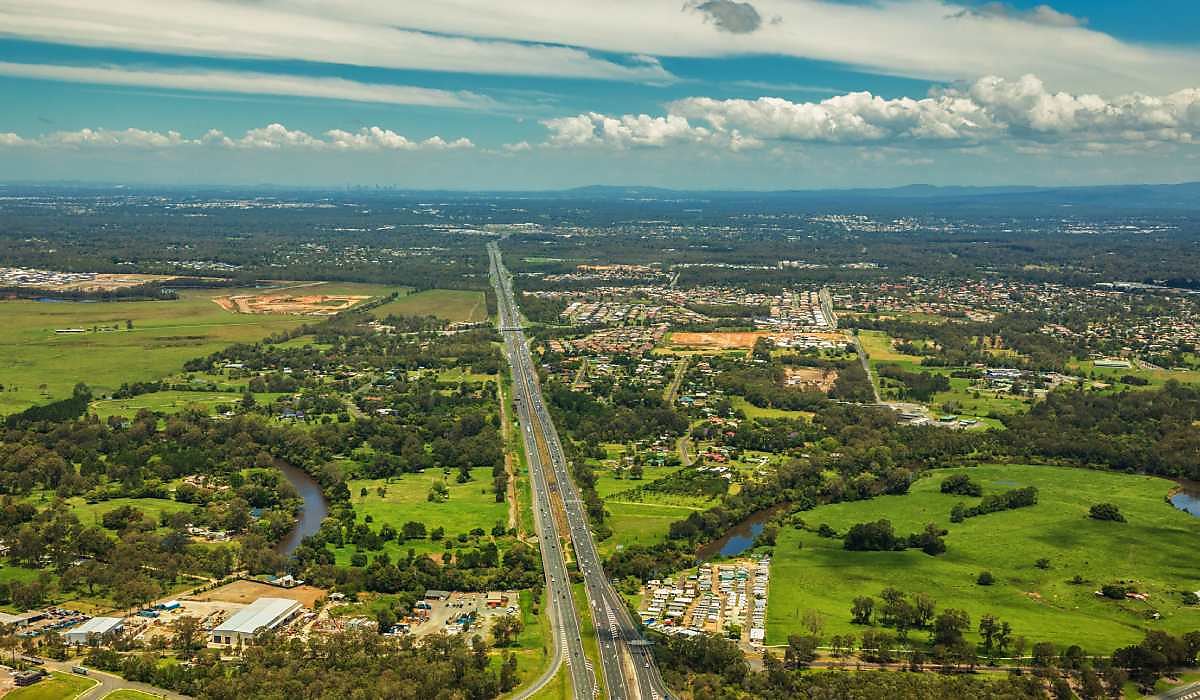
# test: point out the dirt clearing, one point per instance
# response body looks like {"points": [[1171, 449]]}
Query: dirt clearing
{"points": [[290, 303], [246, 592], [719, 340]]}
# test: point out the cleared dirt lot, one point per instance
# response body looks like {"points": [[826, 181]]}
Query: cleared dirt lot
{"points": [[245, 592], [289, 303], [720, 340], [819, 378]]}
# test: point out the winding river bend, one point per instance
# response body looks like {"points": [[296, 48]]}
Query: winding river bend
{"points": [[316, 507]]}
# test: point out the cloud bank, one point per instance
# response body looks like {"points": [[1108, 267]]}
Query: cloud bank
{"points": [[251, 83], [991, 109], [272, 137], [928, 39]]}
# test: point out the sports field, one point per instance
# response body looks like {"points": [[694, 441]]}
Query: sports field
{"points": [[1155, 550], [454, 305]]}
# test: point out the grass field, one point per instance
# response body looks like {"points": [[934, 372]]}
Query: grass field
{"points": [[1156, 377], [471, 505], [127, 694], [91, 513], [165, 334], [59, 686], [879, 348], [639, 523], [170, 402], [455, 305], [753, 411], [38, 365], [1155, 549]]}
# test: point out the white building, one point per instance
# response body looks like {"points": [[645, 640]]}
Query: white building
{"points": [[94, 628], [262, 614]]}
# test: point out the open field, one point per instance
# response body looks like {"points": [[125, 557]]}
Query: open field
{"points": [[720, 340], [59, 686], [879, 348], [753, 411], [454, 305], [1156, 377], [127, 694], [471, 505], [91, 513], [168, 402], [1155, 550], [639, 523], [37, 365]]}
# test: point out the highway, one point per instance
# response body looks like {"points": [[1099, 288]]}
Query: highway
{"points": [[564, 623], [628, 666]]}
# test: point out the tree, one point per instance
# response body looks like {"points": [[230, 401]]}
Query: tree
{"points": [[800, 652], [1090, 685], [949, 626], [1106, 511], [186, 635], [988, 629], [985, 579], [926, 607], [813, 621], [1044, 655], [505, 629], [962, 485], [861, 610], [877, 646], [508, 673]]}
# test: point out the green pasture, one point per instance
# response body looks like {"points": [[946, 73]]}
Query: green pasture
{"points": [[1154, 551]]}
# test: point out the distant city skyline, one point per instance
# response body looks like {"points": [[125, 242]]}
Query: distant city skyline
{"points": [[529, 94]]}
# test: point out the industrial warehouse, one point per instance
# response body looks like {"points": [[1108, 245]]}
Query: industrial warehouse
{"points": [[263, 614]]}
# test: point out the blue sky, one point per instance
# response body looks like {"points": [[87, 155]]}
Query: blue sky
{"points": [[763, 94]]}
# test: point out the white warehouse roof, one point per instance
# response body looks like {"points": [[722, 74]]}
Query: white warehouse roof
{"points": [[264, 613], [98, 626]]}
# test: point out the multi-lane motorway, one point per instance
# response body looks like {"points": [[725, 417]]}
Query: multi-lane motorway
{"points": [[628, 667]]}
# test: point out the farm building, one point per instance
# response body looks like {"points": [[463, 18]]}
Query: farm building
{"points": [[262, 614], [94, 628]]}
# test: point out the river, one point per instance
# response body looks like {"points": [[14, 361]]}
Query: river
{"points": [[739, 538], [315, 508], [1187, 498]]}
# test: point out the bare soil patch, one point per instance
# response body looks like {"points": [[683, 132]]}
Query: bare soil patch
{"points": [[246, 592], [724, 340], [286, 303], [818, 378]]}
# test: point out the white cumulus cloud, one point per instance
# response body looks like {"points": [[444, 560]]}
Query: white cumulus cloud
{"points": [[990, 109]]}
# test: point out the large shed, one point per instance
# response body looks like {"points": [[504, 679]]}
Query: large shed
{"points": [[94, 628], [262, 614]]}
